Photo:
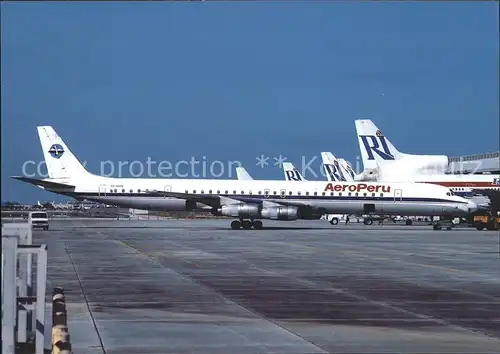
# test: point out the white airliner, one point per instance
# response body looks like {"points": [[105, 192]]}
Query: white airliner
{"points": [[247, 201], [383, 163], [291, 173]]}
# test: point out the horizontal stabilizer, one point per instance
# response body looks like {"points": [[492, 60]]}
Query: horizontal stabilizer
{"points": [[44, 183], [242, 174]]}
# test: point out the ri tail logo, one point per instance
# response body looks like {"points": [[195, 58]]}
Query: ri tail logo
{"points": [[293, 175], [334, 171], [350, 170], [376, 144]]}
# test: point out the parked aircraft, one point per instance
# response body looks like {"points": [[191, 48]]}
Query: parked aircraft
{"points": [[248, 201], [381, 157], [389, 165]]}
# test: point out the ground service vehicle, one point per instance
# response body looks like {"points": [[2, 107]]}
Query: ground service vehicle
{"points": [[38, 219], [487, 222]]}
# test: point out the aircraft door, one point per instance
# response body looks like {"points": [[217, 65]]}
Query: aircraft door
{"points": [[398, 195], [167, 188], [102, 190], [469, 189]]}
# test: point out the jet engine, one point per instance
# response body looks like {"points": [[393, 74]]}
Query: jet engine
{"points": [[240, 210], [280, 213], [253, 211]]}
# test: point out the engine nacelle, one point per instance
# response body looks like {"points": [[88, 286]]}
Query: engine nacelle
{"points": [[240, 210], [280, 213]]}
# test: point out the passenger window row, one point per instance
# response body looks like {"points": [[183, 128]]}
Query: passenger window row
{"points": [[282, 193]]}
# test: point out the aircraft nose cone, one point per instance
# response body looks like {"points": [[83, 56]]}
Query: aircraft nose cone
{"points": [[472, 206]]}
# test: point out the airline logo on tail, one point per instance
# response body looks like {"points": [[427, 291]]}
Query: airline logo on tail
{"points": [[376, 144], [350, 170], [56, 151], [334, 171], [293, 175]]}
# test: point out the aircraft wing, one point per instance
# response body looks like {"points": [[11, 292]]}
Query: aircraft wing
{"points": [[211, 200], [217, 201]]}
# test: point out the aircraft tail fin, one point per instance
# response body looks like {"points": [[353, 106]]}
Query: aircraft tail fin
{"points": [[242, 174], [61, 163], [350, 174], [375, 147], [291, 173], [337, 170]]}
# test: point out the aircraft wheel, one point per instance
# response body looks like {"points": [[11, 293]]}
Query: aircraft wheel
{"points": [[246, 224], [437, 226], [334, 221], [409, 222], [368, 221], [257, 224], [235, 225]]}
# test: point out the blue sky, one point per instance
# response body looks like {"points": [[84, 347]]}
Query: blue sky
{"points": [[232, 81]]}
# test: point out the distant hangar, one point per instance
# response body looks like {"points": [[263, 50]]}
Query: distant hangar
{"points": [[482, 163]]}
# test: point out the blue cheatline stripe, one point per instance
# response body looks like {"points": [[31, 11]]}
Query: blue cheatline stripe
{"points": [[246, 197]]}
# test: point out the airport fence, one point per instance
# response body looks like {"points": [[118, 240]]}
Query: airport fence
{"points": [[23, 302]]}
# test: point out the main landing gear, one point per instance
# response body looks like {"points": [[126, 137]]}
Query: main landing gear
{"points": [[246, 224]]}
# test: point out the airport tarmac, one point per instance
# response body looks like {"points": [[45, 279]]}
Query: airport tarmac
{"points": [[197, 286]]}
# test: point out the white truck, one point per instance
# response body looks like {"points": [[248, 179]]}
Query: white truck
{"points": [[38, 219], [335, 218]]}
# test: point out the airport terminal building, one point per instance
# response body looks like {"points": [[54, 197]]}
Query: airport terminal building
{"points": [[482, 163]]}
